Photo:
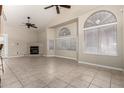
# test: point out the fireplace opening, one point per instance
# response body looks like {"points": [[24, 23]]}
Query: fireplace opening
{"points": [[34, 50]]}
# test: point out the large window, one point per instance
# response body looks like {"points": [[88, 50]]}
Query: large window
{"points": [[65, 41], [100, 33]]}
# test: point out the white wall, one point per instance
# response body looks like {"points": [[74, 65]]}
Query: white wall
{"points": [[42, 38], [18, 40], [50, 36]]}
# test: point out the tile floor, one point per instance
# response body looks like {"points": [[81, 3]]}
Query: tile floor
{"points": [[42, 72]]}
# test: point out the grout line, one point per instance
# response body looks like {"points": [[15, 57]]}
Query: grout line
{"points": [[15, 76], [48, 83], [110, 80], [62, 81], [92, 80], [67, 85], [70, 85]]}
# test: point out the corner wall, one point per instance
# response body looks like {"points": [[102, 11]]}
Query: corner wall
{"points": [[18, 40], [42, 38]]}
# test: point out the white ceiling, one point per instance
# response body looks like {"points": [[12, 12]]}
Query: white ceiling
{"points": [[16, 15]]}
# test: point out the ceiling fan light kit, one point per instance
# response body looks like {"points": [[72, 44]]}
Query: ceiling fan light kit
{"points": [[29, 24]]}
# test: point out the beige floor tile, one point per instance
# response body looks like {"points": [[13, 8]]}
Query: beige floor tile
{"points": [[28, 71], [117, 82], [101, 83], [70, 86], [78, 70], [14, 84], [26, 80], [57, 83], [85, 77], [104, 73], [90, 72], [93, 86], [47, 78], [118, 77], [69, 76], [67, 79], [80, 83], [36, 84], [8, 81], [117, 86], [103, 77]]}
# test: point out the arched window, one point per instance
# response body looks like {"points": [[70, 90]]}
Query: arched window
{"points": [[64, 32], [100, 33], [65, 41]]}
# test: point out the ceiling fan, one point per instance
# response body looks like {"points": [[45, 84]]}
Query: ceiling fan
{"points": [[28, 24], [58, 6]]}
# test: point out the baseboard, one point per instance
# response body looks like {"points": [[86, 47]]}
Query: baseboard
{"points": [[44, 55], [103, 66], [33, 55], [48, 55], [65, 57], [60, 57], [15, 56]]}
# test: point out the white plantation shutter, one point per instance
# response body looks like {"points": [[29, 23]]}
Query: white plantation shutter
{"points": [[91, 41], [66, 43], [100, 33]]}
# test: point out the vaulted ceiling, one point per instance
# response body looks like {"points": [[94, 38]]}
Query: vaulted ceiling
{"points": [[16, 15]]}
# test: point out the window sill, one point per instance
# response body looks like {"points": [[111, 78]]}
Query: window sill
{"points": [[89, 53]]}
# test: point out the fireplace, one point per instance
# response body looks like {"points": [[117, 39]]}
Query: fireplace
{"points": [[34, 49]]}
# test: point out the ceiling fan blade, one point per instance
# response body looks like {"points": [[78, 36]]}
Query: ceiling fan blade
{"points": [[65, 6], [57, 9], [48, 7], [33, 25]]}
